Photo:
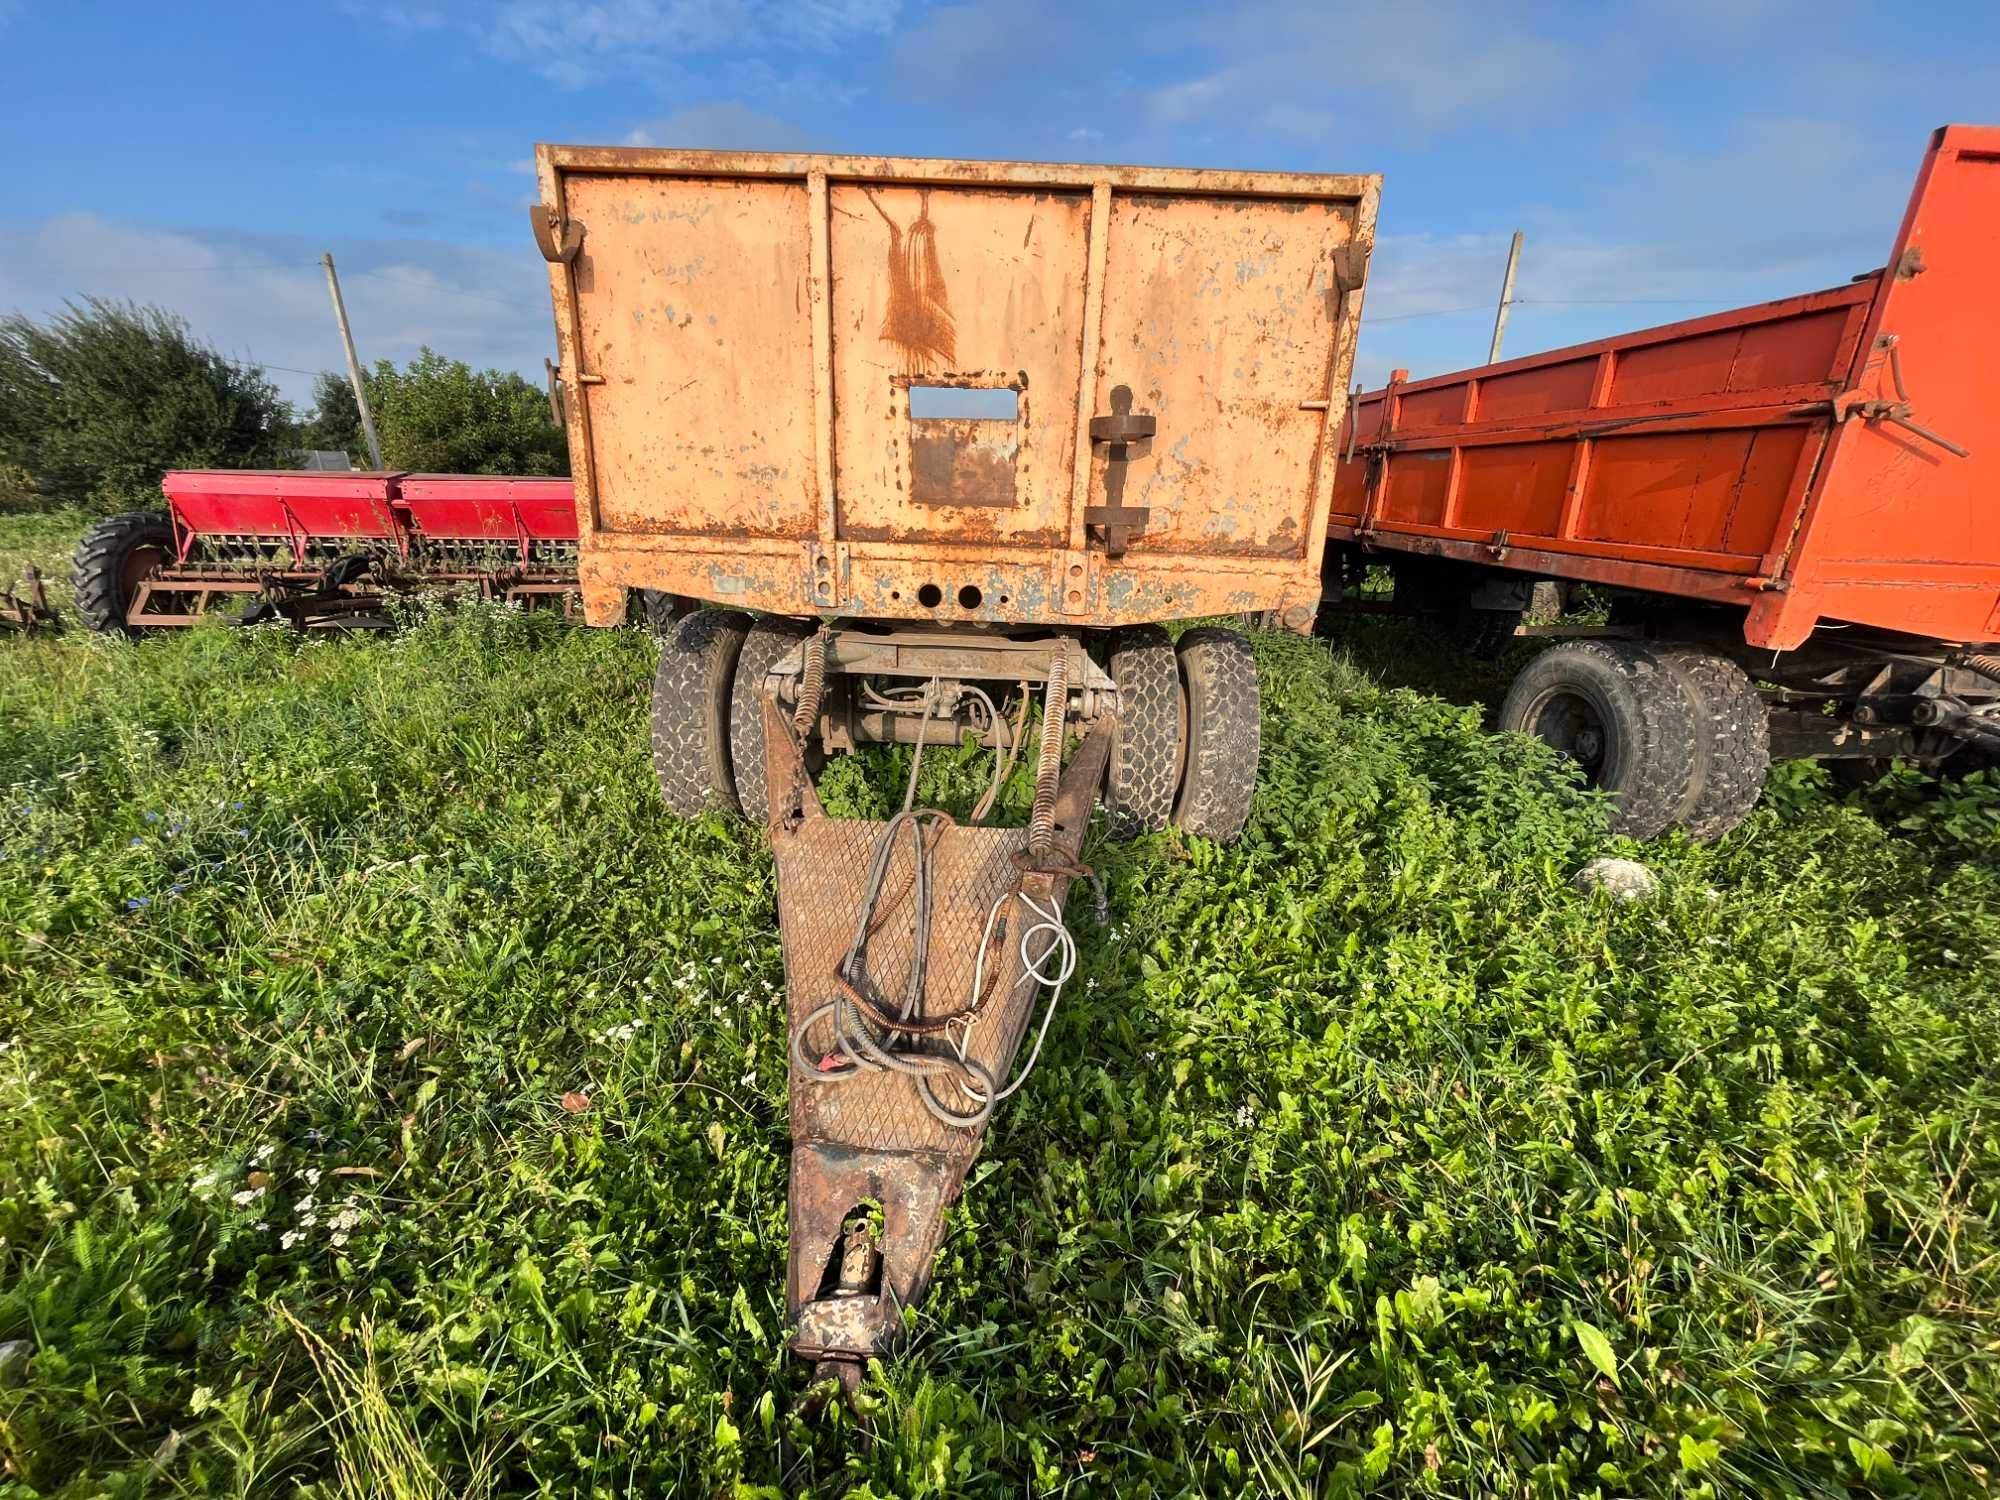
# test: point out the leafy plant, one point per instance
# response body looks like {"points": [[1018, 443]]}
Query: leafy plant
{"points": [[100, 400], [441, 416], [1366, 1156]]}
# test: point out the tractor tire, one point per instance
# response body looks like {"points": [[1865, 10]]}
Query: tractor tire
{"points": [[1732, 742], [1620, 713], [1218, 676], [691, 711], [1145, 765], [112, 560], [770, 638]]}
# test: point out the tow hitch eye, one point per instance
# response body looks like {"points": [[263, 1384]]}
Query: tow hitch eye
{"points": [[857, 1281]]}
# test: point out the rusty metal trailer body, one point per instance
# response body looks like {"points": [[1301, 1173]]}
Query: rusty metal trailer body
{"points": [[951, 391], [1807, 490], [949, 427]]}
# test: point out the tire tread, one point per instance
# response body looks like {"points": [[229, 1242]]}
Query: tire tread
{"points": [[691, 696], [1145, 766], [1225, 737]]}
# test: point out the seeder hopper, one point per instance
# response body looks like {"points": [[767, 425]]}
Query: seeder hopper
{"points": [[325, 549]]}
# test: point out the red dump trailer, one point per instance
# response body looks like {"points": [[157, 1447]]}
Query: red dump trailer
{"points": [[324, 548], [1804, 494]]}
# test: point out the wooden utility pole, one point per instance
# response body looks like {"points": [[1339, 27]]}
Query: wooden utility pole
{"points": [[1506, 299], [354, 362]]}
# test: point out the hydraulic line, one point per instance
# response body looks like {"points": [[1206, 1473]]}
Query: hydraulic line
{"points": [[871, 1034]]}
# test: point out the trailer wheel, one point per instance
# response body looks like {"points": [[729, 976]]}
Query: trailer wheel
{"points": [[769, 639], [111, 562], [662, 611], [691, 704], [1219, 678], [1618, 712], [1732, 742], [1145, 764]]}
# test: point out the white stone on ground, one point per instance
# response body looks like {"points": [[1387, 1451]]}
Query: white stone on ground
{"points": [[1621, 879]]}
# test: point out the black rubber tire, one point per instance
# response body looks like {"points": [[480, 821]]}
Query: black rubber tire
{"points": [[1732, 742], [769, 639], [1145, 765], [1218, 675], [108, 564], [662, 611], [1437, 591], [1644, 719], [1483, 632], [691, 708]]}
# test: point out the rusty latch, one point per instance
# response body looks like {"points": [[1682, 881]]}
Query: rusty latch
{"points": [[1123, 430], [558, 239], [1850, 404]]}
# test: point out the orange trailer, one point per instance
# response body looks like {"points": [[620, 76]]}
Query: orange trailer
{"points": [[1808, 487], [962, 434]]}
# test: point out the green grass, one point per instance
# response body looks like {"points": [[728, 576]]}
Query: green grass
{"points": [[1365, 1156]]}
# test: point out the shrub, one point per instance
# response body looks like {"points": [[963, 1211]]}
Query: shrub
{"points": [[103, 398], [441, 416]]}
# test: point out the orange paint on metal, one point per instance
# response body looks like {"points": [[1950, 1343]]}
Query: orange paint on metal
{"points": [[1762, 456], [750, 326]]}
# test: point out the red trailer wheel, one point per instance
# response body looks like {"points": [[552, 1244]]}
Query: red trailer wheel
{"points": [[1622, 716]]}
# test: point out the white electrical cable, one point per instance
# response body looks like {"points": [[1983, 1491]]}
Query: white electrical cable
{"points": [[1034, 967]]}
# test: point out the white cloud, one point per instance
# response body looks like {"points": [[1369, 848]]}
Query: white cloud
{"points": [[263, 298], [1296, 67], [574, 44], [721, 127]]}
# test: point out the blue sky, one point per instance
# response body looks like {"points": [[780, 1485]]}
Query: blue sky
{"points": [[1665, 157]]}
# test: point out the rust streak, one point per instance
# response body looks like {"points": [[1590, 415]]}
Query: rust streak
{"points": [[918, 321]]}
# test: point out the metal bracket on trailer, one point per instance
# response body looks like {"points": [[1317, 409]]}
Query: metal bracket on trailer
{"points": [[873, 1166]]}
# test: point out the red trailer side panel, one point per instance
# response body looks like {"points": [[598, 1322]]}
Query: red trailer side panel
{"points": [[1671, 459]]}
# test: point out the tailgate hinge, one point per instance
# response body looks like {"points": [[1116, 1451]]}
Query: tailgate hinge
{"points": [[558, 239]]}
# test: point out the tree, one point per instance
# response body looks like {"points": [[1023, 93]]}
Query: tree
{"points": [[334, 423], [102, 399], [441, 416]]}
